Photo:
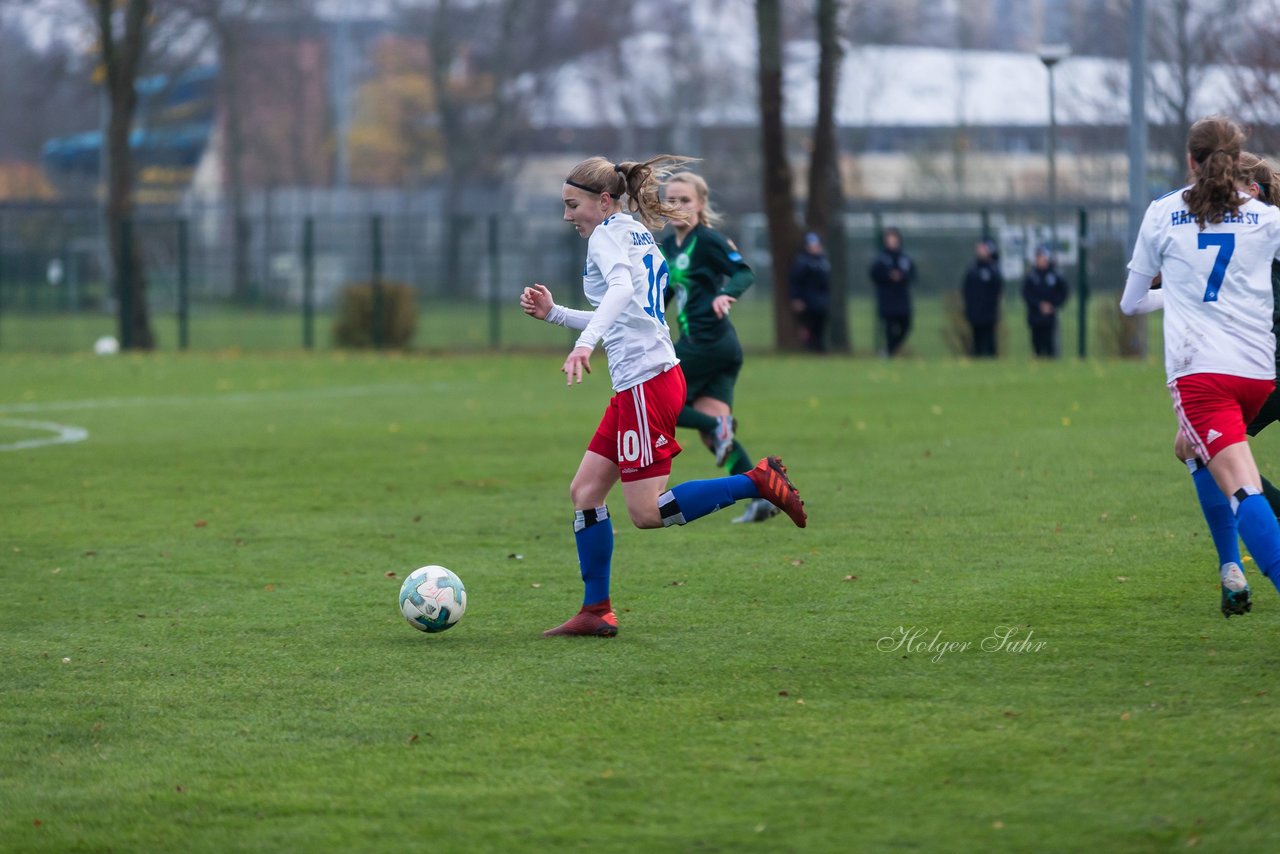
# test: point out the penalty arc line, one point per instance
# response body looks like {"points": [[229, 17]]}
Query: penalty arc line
{"points": [[64, 434], [69, 433]]}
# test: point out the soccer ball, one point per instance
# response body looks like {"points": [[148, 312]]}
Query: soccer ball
{"points": [[106, 346], [432, 599]]}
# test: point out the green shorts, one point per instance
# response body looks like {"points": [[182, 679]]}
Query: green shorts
{"points": [[711, 367]]}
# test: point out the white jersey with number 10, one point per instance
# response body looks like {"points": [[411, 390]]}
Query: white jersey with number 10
{"points": [[637, 344], [1217, 286]]}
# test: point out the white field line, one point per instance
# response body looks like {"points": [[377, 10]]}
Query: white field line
{"points": [[67, 433], [64, 434]]}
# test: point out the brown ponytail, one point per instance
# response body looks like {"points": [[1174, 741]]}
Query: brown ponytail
{"points": [[1214, 145], [639, 182]]}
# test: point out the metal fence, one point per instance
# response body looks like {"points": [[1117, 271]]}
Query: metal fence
{"points": [[271, 281]]}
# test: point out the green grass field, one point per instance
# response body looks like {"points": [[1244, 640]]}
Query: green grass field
{"points": [[202, 652]]}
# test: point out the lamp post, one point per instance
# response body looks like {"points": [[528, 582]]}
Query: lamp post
{"points": [[1051, 55]]}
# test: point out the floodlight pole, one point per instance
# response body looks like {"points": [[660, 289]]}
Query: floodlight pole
{"points": [[1051, 55]]}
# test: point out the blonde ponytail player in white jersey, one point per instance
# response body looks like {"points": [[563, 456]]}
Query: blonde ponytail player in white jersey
{"points": [[625, 278]]}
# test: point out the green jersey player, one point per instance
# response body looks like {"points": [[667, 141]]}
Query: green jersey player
{"points": [[707, 275]]}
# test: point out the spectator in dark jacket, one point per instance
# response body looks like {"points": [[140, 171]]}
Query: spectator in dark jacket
{"points": [[983, 287], [811, 292], [892, 272], [1045, 291]]}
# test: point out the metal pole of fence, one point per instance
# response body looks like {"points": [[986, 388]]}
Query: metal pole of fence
{"points": [[986, 224], [308, 282], [375, 282], [124, 283], [184, 288], [1082, 280], [495, 278], [877, 220]]}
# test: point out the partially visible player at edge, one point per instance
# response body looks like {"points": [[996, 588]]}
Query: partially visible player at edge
{"points": [[1212, 247], [624, 278], [707, 277], [1259, 180], [1262, 182]]}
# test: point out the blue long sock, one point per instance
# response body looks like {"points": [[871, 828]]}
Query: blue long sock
{"points": [[694, 499], [1217, 513], [1260, 532], [594, 534]]}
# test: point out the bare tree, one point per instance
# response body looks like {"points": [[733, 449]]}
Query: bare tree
{"points": [[1189, 38], [46, 93], [779, 199], [475, 53], [122, 38], [824, 171], [826, 198], [1256, 77], [228, 22]]}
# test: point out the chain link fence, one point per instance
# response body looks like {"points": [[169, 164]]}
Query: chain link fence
{"points": [[271, 280]]}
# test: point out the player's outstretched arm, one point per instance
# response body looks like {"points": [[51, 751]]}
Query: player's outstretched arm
{"points": [[536, 301]]}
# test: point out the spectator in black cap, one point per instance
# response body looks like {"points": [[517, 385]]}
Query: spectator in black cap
{"points": [[892, 271], [983, 287], [811, 292], [1045, 291]]}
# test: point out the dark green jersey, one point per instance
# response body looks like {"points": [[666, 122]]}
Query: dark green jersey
{"points": [[1275, 307], [704, 266]]}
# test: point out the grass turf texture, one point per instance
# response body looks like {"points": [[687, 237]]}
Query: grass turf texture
{"points": [[213, 562]]}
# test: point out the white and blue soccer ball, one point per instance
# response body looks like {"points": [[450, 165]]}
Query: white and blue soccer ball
{"points": [[107, 345], [432, 599]]}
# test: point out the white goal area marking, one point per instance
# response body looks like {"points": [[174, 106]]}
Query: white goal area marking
{"points": [[63, 434], [68, 433]]}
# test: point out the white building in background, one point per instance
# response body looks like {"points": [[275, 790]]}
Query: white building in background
{"points": [[915, 122]]}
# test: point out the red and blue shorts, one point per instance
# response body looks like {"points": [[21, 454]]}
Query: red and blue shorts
{"points": [[638, 429], [1213, 409]]}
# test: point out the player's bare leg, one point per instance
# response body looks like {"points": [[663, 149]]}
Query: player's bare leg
{"points": [[593, 530]]}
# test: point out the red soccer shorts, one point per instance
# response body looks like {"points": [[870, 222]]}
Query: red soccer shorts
{"points": [[1213, 409], [638, 429]]}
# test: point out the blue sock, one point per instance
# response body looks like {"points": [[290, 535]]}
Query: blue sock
{"points": [[694, 499], [1260, 532], [1217, 512], [594, 533]]}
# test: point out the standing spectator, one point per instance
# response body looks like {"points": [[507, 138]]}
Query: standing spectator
{"points": [[1045, 291], [983, 288], [892, 272], [811, 292]]}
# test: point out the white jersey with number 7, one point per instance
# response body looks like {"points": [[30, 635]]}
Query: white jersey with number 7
{"points": [[1217, 286]]}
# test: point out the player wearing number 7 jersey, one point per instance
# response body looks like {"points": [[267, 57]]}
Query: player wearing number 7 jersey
{"points": [[624, 279], [1212, 246]]}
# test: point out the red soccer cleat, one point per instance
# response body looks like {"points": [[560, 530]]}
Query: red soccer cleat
{"points": [[770, 478], [586, 624]]}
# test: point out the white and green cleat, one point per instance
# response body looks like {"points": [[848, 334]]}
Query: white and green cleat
{"points": [[1236, 598]]}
